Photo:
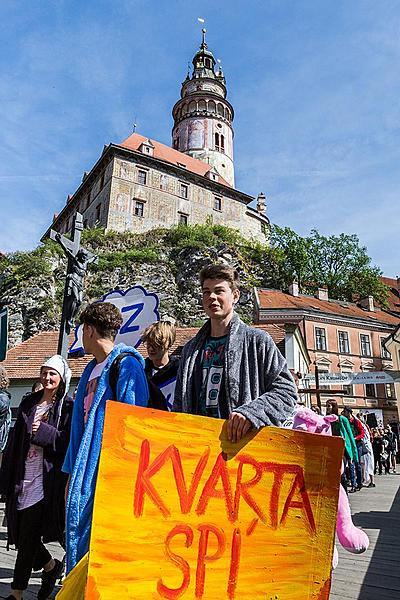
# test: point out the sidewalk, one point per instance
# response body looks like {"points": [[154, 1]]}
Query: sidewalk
{"points": [[7, 560], [374, 575]]}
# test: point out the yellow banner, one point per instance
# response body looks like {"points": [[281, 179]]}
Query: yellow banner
{"points": [[182, 513]]}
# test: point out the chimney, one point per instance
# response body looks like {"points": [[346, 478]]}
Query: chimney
{"points": [[368, 303], [294, 289], [322, 294], [261, 203]]}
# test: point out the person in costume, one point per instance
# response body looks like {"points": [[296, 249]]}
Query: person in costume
{"points": [[32, 481], [230, 370], [160, 367], [101, 322]]}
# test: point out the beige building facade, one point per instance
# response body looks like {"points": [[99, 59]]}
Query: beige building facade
{"points": [[340, 337]]}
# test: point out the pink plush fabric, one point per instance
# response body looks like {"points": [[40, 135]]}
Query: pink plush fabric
{"points": [[350, 537]]}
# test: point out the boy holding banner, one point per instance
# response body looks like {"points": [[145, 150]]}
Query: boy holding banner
{"points": [[230, 370]]}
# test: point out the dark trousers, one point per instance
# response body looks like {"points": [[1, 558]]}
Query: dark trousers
{"points": [[32, 554]]}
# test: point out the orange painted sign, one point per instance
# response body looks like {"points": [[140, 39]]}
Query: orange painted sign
{"points": [[180, 512]]}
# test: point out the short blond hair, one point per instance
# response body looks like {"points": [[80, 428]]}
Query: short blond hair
{"points": [[161, 334]]}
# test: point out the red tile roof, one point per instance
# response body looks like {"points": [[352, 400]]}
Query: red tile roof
{"points": [[276, 299], [24, 360], [163, 152], [394, 293]]}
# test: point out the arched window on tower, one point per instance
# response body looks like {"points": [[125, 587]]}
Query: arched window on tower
{"points": [[222, 143], [217, 146]]}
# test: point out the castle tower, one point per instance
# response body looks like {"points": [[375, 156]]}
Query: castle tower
{"points": [[203, 116]]}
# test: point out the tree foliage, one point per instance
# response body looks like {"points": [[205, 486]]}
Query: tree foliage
{"points": [[338, 263]]}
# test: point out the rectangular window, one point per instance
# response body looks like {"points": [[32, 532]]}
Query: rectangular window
{"points": [[217, 203], [139, 208], [323, 386], [183, 219], [344, 347], [370, 390], [365, 345], [163, 182], [348, 390], [384, 353], [184, 191], [320, 338], [389, 390], [142, 177]]}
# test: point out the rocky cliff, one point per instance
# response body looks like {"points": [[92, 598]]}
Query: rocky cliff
{"points": [[165, 261]]}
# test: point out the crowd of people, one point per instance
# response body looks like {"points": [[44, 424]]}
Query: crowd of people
{"points": [[229, 370], [368, 450]]}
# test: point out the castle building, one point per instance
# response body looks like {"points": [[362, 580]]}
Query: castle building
{"points": [[141, 184]]}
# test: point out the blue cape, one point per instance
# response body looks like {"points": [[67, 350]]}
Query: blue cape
{"points": [[83, 453]]}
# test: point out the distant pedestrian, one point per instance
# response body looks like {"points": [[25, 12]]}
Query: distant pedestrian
{"points": [[32, 481], [391, 449], [377, 447], [5, 410], [367, 456]]}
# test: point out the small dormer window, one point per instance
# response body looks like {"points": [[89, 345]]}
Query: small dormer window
{"points": [[147, 148]]}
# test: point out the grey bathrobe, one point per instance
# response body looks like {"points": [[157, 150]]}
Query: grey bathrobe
{"points": [[257, 382]]}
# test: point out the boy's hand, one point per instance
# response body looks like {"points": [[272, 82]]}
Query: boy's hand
{"points": [[238, 426]]}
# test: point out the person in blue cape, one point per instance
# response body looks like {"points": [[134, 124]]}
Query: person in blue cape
{"points": [[101, 322]]}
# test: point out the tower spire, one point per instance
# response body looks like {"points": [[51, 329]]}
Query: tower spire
{"points": [[203, 116], [204, 43]]}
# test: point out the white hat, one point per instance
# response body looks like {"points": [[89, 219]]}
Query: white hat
{"points": [[59, 364]]}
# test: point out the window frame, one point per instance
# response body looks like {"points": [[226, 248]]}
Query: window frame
{"points": [[348, 388], [183, 218], [392, 394], [369, 385], [384, 352], [184, 186], [339, 331], [366, 335], [324, 337], [217, 203], [140, 173], [140, 213]]}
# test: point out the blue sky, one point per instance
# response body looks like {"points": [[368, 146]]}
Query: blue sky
{"points": [[315, 86]]}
